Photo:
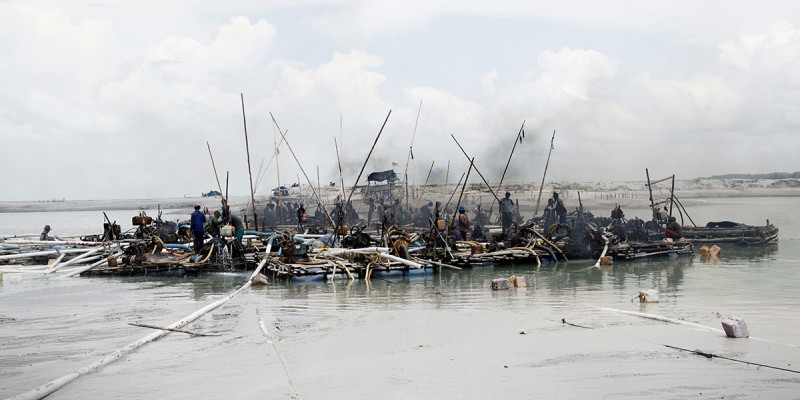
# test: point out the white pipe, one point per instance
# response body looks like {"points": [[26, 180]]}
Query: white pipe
{"points": [[73, 261], [366, 250], [401, 260], [40, 253], [58, 242], [88, 267], [660, 318], [603, 254], [57, 261], [58, 383]]}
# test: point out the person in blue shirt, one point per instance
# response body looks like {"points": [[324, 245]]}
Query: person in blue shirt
{"points": [[198, 228]]}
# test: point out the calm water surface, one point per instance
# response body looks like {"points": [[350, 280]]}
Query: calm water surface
{"points": [[362, 339]]}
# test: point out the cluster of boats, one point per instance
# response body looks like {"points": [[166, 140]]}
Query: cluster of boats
{"points": [[163, 248]]}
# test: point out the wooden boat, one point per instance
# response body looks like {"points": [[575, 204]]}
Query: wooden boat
{"points": [[727, 232]]}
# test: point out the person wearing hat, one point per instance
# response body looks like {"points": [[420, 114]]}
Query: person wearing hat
{"points": [[215, 224], [507, 211], [463, 222], [46, 234], [198, 228]]}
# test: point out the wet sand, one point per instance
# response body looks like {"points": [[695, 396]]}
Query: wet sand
{"points": [[443, 338]]}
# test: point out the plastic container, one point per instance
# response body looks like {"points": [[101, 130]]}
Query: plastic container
{"points": [[226, 231]]}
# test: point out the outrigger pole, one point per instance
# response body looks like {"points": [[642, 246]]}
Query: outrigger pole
{"points": [[365, 161], [518, 139], [476, 169], [546, 164], [301, 169], [423, 187], [249, 171], [455, 213], [411, 151], [217, 176]]}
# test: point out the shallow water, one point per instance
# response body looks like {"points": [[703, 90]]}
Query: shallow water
{"points": [[433, 337]]}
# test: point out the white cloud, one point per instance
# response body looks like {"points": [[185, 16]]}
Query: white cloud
{"points": [[91, 90]]}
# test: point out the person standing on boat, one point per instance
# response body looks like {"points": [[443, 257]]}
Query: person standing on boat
{"points": [[198, 228], [550, 216], [371, 210], [561, 209], [506, 211], [463, 222], [215, 224], [674, 230], [238, 226], [301, 212]]}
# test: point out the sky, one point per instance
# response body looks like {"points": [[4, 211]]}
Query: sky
{"points": [[117, 99]]}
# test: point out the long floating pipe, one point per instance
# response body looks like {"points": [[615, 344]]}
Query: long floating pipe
{"points": [[40, 253], [58, 383]]}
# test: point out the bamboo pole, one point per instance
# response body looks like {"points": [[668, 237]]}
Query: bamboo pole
{"points": [[215, 175], [301, 169], [278, 209], [447, 176], [258, 183], [339, 160], [454, 191], [411, 150], [164, 328], [249, 170], [476, 169], [516, 140], [539, 199], [340, 155], [423, 187], [368, 156], [455, 212]]}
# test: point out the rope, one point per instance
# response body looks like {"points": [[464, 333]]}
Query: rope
{"points": [[711, 355]]}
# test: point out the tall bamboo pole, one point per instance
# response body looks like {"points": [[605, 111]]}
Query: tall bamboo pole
{"points": [[278, 209], [447, 176], [539, 199], [455, 212], [224, 204], [249, 171], [367, 159], [516, 140], [411, 150], [476, 168], [339, 160], [325, 210], [423, 187]]}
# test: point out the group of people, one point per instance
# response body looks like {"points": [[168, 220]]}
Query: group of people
{"points": [[198, 226], [555, 212]]}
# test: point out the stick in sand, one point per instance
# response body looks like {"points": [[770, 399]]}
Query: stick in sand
{"points": [[164, 328]]}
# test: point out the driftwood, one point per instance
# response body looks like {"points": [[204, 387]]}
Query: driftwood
{"points": [[164, 328]]}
